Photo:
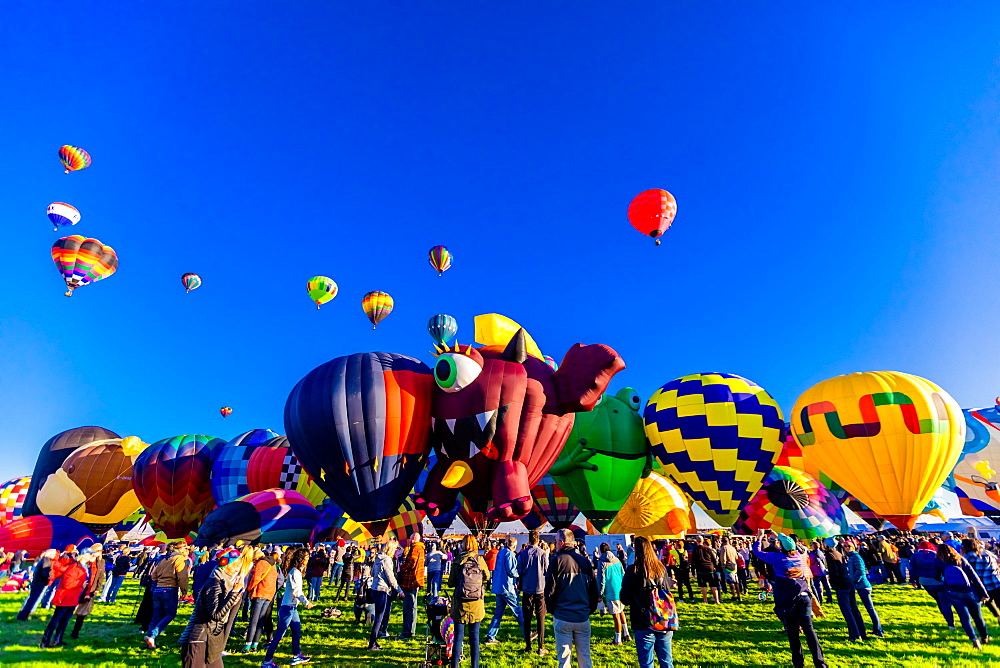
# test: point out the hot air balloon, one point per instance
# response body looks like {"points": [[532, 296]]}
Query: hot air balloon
{"points": [[889, 438], [322, 289], [873, 519], [225, 412], [652, 212], [191, 281], [553, 504], [62, 215], [270, 516], [12, 495], [791, 456], [655, 508], [407, 521], [273, 465], [442, 328], [533, 520], [73, 158], [43, 532], [335, 524], [440, 258], [792, 501], [172, 479], [717, 436], [974, 477], [130, 522], [82, 261], [476, 520], [94, 484], [359, 426], [604, 457], [551, 362], [229, 470], [52, 455], [376, 305]]}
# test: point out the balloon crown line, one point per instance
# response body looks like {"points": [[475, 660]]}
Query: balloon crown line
{"points": [[457, 348]]}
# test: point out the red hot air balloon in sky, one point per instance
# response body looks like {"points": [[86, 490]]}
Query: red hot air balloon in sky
{"points": [[652, 212]]}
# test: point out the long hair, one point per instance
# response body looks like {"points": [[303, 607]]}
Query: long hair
{"points": [[948, 555], [470, 544], [647, 564], [298, 560], [972, 546]]}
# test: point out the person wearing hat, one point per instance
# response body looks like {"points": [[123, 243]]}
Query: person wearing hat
{"points": [[206, 633], [792, 597], [72, 574], [94, 584]]}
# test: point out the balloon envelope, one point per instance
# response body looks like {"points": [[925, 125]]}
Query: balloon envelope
{"points": [[42, 532], [12, 495], [273, 465], [553, 504], [376, 305], [477, 521], [321, 289], [655, 508], [62, 214], [82, 261], [191, 281], [53, 453], [975, 477], [73, 158], [792, 501], [440, 258], [652, 212], [229, 470], [442, 328]]}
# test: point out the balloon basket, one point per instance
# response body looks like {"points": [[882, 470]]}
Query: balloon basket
{"points": [[657, 242], [68, 293]]}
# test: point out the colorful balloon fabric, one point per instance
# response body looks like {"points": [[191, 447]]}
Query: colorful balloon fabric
{"points": [[442, 328], [652, 212], [73, 158], [974, 479], [225, 411], [271, 516], [334, 524], [82, 261], [52, 455], [191, 281], [717, 436], [791, 456], [43, 532], [551, 362], [359, 426], [407, 521], [12, 495], [533, 520], [321, 290], [873, 519], [655, 508], [130, 522], [792, 501], [172, 479], [888, 438], [273, 465], [62, 215], [440, 258], [604, 457], [553, 504], [477, 521], [442, 521], [376, 305], [229, 470]]}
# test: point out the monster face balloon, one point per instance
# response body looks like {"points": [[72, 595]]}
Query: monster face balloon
{"points": [[889, 438], [62, 215], [82, 261], [604, 457], [73, 158], [717, 436]]}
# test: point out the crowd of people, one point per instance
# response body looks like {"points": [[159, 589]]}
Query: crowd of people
{"points": [[637, 584]]}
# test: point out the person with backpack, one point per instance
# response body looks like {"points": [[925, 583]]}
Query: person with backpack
{"points": [[571, 595], [858, 575], [646, 587], [965, 591], [411, 579], [679, 569], [792, 597], [532, 566], [383, 589], [469, 576], [609, 585], [987, 568], [503, 584]]}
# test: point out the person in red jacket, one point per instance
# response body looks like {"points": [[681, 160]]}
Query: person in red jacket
{"points": [[73, 575]]}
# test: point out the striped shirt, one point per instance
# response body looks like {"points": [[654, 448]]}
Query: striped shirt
{"points": [[987, 568]]}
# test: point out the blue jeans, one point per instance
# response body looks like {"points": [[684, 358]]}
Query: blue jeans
{"points": [[46, 600], [646, 642], [852, 614], [116, 584], [410, 612], [820, 584], [434, 582], [29, 603], [383, 608], [288, 616], [504, 601], [338, 568], [164, 610], [904, 568], [865, 594], [456, 652], [315, 585], [969, 610], [258, 606]]}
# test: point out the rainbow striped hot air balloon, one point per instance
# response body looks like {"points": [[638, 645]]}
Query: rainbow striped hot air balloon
{"points": [[321, 290], [82, 261], [792, 501], [553, 504], [191, 281], [376, 305], [62, 215], [440, 258], [73, 158]]}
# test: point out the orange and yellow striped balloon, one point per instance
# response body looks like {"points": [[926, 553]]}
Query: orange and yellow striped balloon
{"points": [[82, 261], [377, 305], [73, 158]]}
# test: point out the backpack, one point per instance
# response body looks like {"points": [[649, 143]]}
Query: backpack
{"points": [[470, 582], [662, 609], [954, 576]]}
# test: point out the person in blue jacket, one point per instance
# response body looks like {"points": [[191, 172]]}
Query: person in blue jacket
{"points": [[610, 572], [504, 587], [858, 576]]}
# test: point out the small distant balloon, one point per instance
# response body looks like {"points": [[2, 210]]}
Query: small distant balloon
{"points": [[73, 158], [551, 362], [377, 305], [191, 281], [652, 212], [321, 290], [442, 328], [440, 258], [62, 215], [225, 411]]}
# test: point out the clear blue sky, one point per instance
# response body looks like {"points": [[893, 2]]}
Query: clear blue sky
{"points": [[835, 169]]}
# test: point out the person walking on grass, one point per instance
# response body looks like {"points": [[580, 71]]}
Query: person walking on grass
{"points": [[122, 563], [610, 572], [987, 567], [204, 638], [95, 581], [644, 582], [39, 581], [792, 597], [265, 580], [411, 580], [384, 588], [965, 591], [72, 574], [347, 574], [925, 572], [296, 563], [318, 563], [169, 584], [571, 595], [504, 588], [532, 566], [469, 577], [858, 575]]}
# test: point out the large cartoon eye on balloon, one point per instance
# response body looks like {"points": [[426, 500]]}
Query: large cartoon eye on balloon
{"points": [[73, 158], [455, 371], [62, 215], [652, 212]]}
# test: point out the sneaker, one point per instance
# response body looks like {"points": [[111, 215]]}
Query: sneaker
{"points": [[374, 648], [543, 652], [269, 664], [150, 642], [491, 641], [296, 660]]}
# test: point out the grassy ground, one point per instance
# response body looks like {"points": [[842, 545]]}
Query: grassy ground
{"points": [[732, 634]]}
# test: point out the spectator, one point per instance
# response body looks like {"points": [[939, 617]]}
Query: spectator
{"points": [[169, 585], [265, 579], [337, 562], [39, 581], [504, 588], [295, 564], [118, 574], [435, 562], [72, 575], [384, 587], [95, 582], [411, 580], [469, 576], [641, 580], [857, 574], [965, 591], [705, 561], [987, 567], [571, 595], [609, 583], [204, 638], [318, 563], [532, 567], [347, 573]]}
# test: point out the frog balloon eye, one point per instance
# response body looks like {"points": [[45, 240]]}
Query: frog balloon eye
{"points": [[454, 372], [634, 402]]}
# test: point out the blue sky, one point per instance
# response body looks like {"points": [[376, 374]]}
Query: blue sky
{"points": [[835, 170]]}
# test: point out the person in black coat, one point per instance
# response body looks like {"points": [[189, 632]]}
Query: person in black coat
{"points": [[39, 580], [204, 638]]}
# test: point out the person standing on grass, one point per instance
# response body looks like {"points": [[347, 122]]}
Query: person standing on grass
{"points": [[679, 568], [469, 577], [728, 560], [792, 597], [118, 574], [169, 585], [820, 573], [987, 567], [318, 563], [384, 588], [926, 572], [571, 595], [296, 563], [705, 561], [609, 584], [858, 575], [532, 566], [435, 562], [504, 588], [204, 638], [72, 574], [411, 580], [843, 587], [965, 591], [336, 562], [39, 581], [641, 580], [347, 573], [95, 581], [265, 580]]}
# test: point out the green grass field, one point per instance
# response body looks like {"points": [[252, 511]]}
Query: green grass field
{"points": [[733, 634]]}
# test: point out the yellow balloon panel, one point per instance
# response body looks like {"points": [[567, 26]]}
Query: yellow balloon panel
{"points": [[655, 508]]}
